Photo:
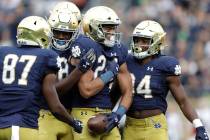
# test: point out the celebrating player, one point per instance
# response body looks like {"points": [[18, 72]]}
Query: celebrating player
{"points": [[153, 75], [26, 72], [100, 26], [64, 26]]}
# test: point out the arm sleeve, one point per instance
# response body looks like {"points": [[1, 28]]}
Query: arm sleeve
{"points": [[171, 66]]}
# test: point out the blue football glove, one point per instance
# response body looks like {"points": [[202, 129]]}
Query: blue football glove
{"points": [[87, 61], [201, 134], [77, 125], [113, 67], [112, 121]]}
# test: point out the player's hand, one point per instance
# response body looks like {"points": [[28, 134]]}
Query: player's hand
{"points": [[87, 61], [112, 121], [201, 134], [77, 125], [113, 66]]}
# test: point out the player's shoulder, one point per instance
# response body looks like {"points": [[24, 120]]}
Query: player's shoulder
{"points": [[169, 64], [84, 40], [130, 57], [7, 48], [46, 52], [81, 46], [121, 48], [49, 51], [167, 60]]}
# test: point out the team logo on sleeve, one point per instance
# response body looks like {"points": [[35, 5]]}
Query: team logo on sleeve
{"points": [[177, 70], [76, 52]]}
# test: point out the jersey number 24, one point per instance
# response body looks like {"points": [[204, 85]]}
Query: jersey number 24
{"points": [[143, 87]]}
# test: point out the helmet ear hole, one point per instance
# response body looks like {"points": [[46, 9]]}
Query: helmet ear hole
{"points": [[43, 40], [91, 29]]}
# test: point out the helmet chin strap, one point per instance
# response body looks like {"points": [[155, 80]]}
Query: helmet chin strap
{"points": [[60, 44]]}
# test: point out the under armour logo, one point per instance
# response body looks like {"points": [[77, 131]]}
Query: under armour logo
{"points": [[206, 136], [157, 125], [113, 54], [150, 68], [83, 112]]}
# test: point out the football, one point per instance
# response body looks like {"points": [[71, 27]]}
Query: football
{"points": [[97, 124]]}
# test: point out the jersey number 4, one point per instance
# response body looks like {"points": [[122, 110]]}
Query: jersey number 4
{"points": [[10, 62], [143, 87]]}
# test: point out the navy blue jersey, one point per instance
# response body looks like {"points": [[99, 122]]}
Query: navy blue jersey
{"points": [[150, 86], [64, 70], [21, 73], [103, 55]]}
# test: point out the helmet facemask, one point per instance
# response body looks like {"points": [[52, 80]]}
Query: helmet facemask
{"points": [[111, 35], [106, 34], [62, 39], [153, 46]]}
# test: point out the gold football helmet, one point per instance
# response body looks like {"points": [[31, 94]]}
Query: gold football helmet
{"points": [[64, 25], [151, 30], [34, 31], [96, 20], [68, 6]]}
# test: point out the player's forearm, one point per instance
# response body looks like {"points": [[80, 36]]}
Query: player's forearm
{"points": [[67, 83], [61, 114], [126, 101], [125, 84], [91, 88], [188, 110], [54, 104]]}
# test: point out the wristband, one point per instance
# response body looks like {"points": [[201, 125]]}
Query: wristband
{"points": [[121, 111], [197, 123], [106, 77]]}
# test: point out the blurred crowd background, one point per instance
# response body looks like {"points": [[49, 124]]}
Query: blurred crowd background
{"points": [[187, 23]]}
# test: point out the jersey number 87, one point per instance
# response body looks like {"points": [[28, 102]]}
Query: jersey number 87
{"points": [[10, 62]]}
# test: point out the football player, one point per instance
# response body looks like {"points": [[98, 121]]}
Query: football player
{"points": [[64, 24], [27, 73], [153, 76], [100, 26]]}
